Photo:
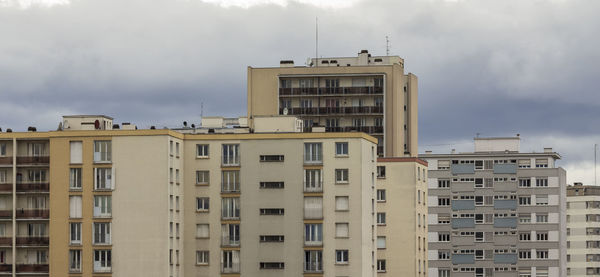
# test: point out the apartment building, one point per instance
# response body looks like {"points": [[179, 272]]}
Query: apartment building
{"points": [[370, 94], [401, 217], [222, 200], [496, 211], [583, 230]]}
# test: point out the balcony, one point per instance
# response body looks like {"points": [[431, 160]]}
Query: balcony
{"points": [[33, 160], [313, 267], [4, 241], [230, 241], [5, 268], [232, 187], [463, 259], [5, 214], [365, 129], [6, 160], [332, 91], [5, 187], [230, 268], [32, 268], [33, 187], [32, 214], [33, 241], [313, 188], [334, 110]]}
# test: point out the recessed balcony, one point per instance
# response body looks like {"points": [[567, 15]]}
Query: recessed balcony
{"points": [[33, 160], [33, 187], [330, 91], [33, 213], [32, 268], [33, 241], [328, 111]]}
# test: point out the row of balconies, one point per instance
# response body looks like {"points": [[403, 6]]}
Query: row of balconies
{"points": [[365, 129], [25, 268], [26, 214], [26, 241], [26, 187], [26, 160], [334, 110], [330, 91]]}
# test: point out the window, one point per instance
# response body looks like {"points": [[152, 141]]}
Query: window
{"points": [[443, 183], [202, 257], [524, 200], [75, 232], [341, 203], [381, 195], [341, 256], [525, 236], [271, 185], [271, 238], [102, 206], [74, 260], [542, 236], [75, 178], [177, 176], [101, 233], [380, 265], [541, 182], [443, 237], [271, 158], [230, 234], [171, 148], [102, 260], [230, 208], [75, 206], [230, 181], [341, 230], [231, 154], [541, 254], [271, 265], [381, 242], [443, 165], [381, 171], [341, 149], [524, 218], [103, 179], [444, 201], [313, 260], [102, 151], [443, 254], [313, 153], [201, 150], [541, 163], [380, 218], [313, 180], [2, 149], [202, 231], [271, 211], [202, 177], [313, 234], [541, 218], [524, 254], [177, 149], [541, 200], [341, 176], [202, 204], [524, 182], [313, 207], [76, 152]]}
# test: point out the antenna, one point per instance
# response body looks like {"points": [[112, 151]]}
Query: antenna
{"points": [[201, 111], [387, 46], [317, 41], [595, 166]]}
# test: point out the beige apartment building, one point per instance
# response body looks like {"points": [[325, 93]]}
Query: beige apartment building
{"points": [[583, 230], [370, 94]]}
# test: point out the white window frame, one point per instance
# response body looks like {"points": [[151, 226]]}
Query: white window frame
{"points": [[101, 233], [104, 178], [202, 151], [231, 154], [102, 205], [341, 149], [342, 176], [381, 220], [202, 257], [341, 256], [202, 204], [381, 195], [75, 261], [202, 177], [75, 178], [313, 153], [102, 260], [102, 151], [75, 233]]}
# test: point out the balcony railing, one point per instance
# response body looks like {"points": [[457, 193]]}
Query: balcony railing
{"points": [[230, 240], [331, 91], [33, 240], [230, 268], [5, 214], [313, 187], [334, 110], [5, 268], [33, 268], [33, 187], [33, 214], [313, 267], [5, 160], [365, 129], [5, 241], [5, 187], [33, 160], [231, 187]]}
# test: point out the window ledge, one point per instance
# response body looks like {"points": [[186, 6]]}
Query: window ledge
{"points": [[381, 201], [381, 224], [342, 182], [342, 263], [201, 264], [347, 210], [202, 184], [342, 156], [202, 157], [202, 211]]}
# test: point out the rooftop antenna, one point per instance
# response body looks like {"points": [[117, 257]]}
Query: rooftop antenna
{"points": [[201, 112], [595, 166], [477, 135], [316, 41], [387, 46]]}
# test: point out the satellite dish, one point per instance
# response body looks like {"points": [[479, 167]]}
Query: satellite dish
{"points": [[285, 111]]}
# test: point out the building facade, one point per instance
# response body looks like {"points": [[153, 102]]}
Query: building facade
{"points": [[583, 230], [370, 94], [191, 202], [496, 212]]}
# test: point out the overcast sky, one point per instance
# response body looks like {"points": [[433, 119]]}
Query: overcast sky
{"points": [[497, 68]]}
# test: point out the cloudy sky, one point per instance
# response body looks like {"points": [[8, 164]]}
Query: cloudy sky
{"points": [[496, 68]]}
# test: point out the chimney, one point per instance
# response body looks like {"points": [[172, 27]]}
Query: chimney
{"points": [[363, 57], [286, 63], [428, 151], [453, 151], [547, 149]]}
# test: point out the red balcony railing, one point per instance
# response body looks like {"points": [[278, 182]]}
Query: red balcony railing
{"points": [[5, 241], [33, 187], [5, 213], [33, 240], [5, 187], [332, 91], [33, 160], [5, 268], [33, 214], [6, 160], [33, 268]]}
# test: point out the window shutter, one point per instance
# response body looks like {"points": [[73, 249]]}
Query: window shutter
{"points": [[95, 178], [113, 178], [76, 152]]}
